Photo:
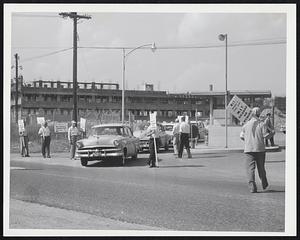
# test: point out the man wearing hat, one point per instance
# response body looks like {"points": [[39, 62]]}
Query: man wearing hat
{"points": [[73, 134], [254, 132], [45, 135]]}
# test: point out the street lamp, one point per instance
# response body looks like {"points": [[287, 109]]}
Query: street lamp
{"points": [[153, 48], [223, 37]]}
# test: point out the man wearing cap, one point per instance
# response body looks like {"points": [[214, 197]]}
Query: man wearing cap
{"points": [[175, 133], [253, 134], [45, 135], [73, 134]]}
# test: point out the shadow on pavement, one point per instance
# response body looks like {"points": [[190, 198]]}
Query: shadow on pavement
{"points": [[117, 163], [275, 161], [271, 191], [182, 166]]}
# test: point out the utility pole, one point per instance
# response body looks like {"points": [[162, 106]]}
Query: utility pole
{"points": [[17, 87], [75, 17]]}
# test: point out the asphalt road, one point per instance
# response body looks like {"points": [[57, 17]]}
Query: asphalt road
{"points": [[206, 193]]}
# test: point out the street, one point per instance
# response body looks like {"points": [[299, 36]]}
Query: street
{"points": [[206, 193]]}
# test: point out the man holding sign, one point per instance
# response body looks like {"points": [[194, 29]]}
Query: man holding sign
{"points": [[153, 133], [23, 138]]}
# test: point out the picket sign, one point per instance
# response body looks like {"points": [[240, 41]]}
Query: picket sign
{"points": [[60, 127], [82, 123], [239, 109], [40, 120], [21, 125]]}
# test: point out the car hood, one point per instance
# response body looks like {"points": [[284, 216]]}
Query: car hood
{"points": [[103, 140], [141, 135]]}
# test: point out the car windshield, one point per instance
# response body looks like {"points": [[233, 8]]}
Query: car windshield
{"points": [[108, 131]]}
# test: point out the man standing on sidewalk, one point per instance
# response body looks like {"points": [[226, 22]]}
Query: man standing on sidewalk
{"points": [[270, 129], [45, 135], [175, 133], [24, 141], [253, 134], [184, 130], [73, 134]]}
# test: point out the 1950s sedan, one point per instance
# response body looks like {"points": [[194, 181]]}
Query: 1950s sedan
{"points": [[108, 141]]}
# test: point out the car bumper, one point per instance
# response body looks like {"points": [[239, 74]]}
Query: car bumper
{"points": [[98, 154]]}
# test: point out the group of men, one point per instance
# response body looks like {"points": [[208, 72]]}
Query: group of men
{"points": [[45, 135]]}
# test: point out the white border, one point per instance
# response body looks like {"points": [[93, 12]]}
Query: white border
{"points": [[290, 201]]}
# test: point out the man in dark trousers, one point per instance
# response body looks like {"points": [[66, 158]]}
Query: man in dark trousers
{"points": [[45, 135], [253, 134], [184, 131], [270, 129], [153, 133], [24, 141]]}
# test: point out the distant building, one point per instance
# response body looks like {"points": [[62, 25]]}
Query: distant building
{"points": [[54, 100]]}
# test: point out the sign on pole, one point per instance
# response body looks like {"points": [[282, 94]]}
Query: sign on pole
{"points": [[239, 109], [82, 123], [21, 125], [153, 119], [40, 120], [60, 127]]}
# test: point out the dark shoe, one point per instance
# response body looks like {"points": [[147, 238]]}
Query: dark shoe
{"points": [[44, 156], [48, 157], [266, 188], [27, 156], [150, 166]]}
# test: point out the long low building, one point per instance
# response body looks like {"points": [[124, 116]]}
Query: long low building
{"points": [[54, 100]]}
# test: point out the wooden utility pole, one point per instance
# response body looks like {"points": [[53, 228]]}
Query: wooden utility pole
{"points": [[75, 17], [17, 88]]}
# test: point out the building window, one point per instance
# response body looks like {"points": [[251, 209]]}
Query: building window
{"points": [[170, 113]]}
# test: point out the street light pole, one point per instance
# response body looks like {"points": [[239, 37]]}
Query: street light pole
{"points": [[153, 48], [223, 37]]}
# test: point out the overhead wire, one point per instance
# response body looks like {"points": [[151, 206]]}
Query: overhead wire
{"points": [[46, 55]]}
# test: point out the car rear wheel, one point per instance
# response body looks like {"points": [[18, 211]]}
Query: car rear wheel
{"points": [[84, 161]]}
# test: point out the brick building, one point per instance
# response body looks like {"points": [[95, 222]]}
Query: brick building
{"points": [[54, 100]]}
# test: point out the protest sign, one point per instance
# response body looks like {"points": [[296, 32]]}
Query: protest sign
{"points": [[40, 120], [60, 127], [153, 119], [239, 109], [82, 123], [21, 125]]}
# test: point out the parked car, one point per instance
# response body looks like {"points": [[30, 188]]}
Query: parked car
{"points": [[164, 138], [108, 141], [169, 130], [282, 128]]}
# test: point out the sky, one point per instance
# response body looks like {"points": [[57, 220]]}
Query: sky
{"points": [[256, 49]]}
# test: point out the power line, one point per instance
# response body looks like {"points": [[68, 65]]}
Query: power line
{"points": [[33, 15], [46, 55]]}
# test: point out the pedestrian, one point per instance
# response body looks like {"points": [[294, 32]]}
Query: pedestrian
{"points": [[184, 131], [24, 142], [45, 135], [194, 135], [153, 133], [253, 134], [175, 133], [73, 134], [270, 129]]}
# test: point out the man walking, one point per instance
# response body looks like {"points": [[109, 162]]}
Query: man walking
{"points": [[73, 134], [270, 130], [175, 133], [184, 130], [253, 134], [45, 135]]}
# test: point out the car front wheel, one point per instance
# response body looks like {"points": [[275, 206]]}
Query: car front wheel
{"points": [[84, 161]]}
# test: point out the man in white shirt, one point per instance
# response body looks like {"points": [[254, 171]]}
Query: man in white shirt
{"points": [[73, 134], [45, 135], [175, 133], [153, 133], [184, 130]]}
